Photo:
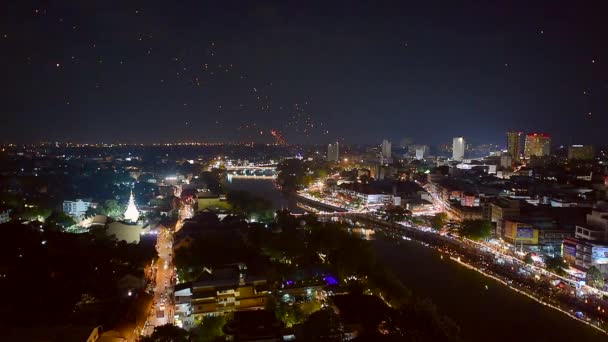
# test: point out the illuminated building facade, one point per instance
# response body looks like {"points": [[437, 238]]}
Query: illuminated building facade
{"points": [[333, 152], [514, 145], [458, 148], [77, 208], [537, 144], [520, 233], [581, 152], [386, 149]]}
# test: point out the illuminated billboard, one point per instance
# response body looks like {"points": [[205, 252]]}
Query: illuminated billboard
{"points": [[599, 255], [525, 233], [520, 232], [569, 249]]}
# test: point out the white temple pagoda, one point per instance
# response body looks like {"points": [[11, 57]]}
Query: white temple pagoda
{"points": [[131, 214]]}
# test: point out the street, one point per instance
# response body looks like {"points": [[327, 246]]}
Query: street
{"points": [[163, 280]]}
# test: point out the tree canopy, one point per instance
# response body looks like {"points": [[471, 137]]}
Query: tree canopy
{"points": [[439, 220], [396, 213], [243, 202], [167, 333], [595, 278], [323, 325], [556, 265], [111, 208], [210, 329], [476, 229]]}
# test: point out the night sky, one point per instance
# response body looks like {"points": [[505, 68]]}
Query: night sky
{"points": [[358, 72]]}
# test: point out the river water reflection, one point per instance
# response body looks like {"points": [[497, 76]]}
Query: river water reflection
{"points": [[492, 314]]}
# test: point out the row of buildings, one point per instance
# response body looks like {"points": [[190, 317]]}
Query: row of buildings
{"points": [[518, 147], [534, 200], [539, 145]]}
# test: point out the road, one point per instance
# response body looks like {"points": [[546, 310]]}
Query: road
{"points": [[163, 281], [164, 275]]}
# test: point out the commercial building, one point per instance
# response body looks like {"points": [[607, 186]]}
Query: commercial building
{"points": [[386, 149], [458, 145], [368, 197], [219, 291], [333, 152], [537, 144], [520, 233], [5, 216], [506, 161], [581, 152], [596, 228], [502, 209], [583, 254], [589, 247], [77, 208], [514, 145]]}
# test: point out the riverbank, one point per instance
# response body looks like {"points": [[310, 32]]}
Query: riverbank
{"points": [[485, 309], [494, 314], [509, 271]]}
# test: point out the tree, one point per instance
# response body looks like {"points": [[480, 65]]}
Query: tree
{"points": [[58, 220], [396, 214], [35, 213], [91, 212], [288, 314], [439, 220], [292, 174], [112, 208], [595, 278], [256, 207], [211, 328], [556, 265], [528, 259], [167, 333], [323, 325], [476, 229]]}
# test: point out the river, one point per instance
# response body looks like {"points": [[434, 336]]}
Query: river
{"points": [[492, 314]]}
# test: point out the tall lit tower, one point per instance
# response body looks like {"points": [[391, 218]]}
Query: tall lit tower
{"points": [[537, 144], [333, 152], [458, 148], [386, 149], [514, 145], [131, 214]]}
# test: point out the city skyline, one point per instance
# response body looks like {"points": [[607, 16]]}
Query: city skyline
{"points": [[316, 73], [303, 170]]}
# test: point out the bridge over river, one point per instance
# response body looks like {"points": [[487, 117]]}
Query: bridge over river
{"points": [[265, 171]]}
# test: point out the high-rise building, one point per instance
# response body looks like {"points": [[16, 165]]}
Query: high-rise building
{"points": [[458, 148], [537, 144], [514, 145], [386, 149], [421, 151], [333, 152], [581, 152]]}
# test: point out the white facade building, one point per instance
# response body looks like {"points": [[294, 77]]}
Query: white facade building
{"points": [[421, 151], [77, 207], [458, 149], [5, 216], [333, 152], [386, 149]]}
